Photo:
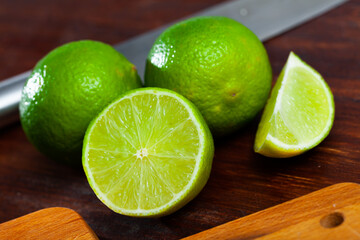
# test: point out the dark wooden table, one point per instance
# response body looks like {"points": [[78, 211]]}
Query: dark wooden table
{"points": [[241, 181]]}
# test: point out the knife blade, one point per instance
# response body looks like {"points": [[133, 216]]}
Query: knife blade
{"points": [[266, 18]]}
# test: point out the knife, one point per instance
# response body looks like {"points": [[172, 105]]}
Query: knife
{"points": [[266, 18]]}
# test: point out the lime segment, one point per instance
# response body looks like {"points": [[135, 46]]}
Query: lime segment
{"points": [[148, 153], [299, 113]]}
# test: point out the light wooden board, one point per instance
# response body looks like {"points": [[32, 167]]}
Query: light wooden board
{"points": [[332, 213], [49, 223]]}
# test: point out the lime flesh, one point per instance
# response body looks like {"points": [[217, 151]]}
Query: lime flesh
{"points": [[148, 153], [299, 113]]}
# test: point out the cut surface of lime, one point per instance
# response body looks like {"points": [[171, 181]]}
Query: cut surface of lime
{"points": [[299, 113], [148, 153]]}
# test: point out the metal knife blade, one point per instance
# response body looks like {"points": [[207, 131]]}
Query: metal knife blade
{"points": [[266, 18]]}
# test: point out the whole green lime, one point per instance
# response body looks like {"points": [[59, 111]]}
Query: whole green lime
{"points": [[218, 64], [66, 90]]}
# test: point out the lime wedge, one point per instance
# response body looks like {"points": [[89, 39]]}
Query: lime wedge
{"points": [[299, 113], [148, 153]]}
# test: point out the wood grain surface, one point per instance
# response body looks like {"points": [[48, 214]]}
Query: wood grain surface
{"points": [[241, 181], [332, 213], [46, 224]]}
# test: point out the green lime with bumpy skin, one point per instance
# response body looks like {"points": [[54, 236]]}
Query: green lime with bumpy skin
{"points": [[66, 90], [218, 64], [148, 153]]}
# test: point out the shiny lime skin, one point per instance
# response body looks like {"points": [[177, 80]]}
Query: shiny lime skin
{"points": [[66, 90], [218, 64]]}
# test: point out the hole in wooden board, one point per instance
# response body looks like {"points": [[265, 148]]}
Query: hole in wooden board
{"points": [[332, 220]]}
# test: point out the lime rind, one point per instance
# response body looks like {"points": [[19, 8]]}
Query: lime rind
{"points": [[200, 173], [218, 64], [62, 95], [268, 143]]}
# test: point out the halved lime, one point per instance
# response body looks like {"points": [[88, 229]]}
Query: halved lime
{"points": [[148, 153], [299, 113]]}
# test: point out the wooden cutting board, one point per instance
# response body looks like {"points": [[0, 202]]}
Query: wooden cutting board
{"points": [[48, 223], [330, 213]]}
